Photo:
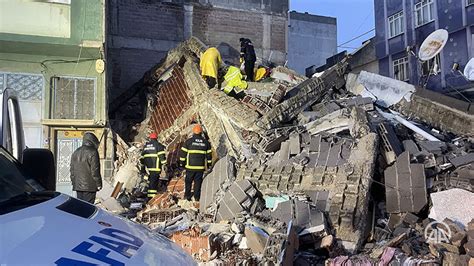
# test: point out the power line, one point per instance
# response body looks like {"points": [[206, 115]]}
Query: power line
{"points": [[357, 37]]}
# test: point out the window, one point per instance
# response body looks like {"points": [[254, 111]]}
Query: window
{"points": [[469, 2], [400, 69], [424, 11], [432, 66], [396, 24], [74, 98]]}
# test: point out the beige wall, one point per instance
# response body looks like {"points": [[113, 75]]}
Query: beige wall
{"points": [[35, 18]]}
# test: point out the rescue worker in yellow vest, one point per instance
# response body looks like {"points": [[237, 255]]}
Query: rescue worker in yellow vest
{"points": [[209, 63], [196, 157], [234, 85], [154, 160]]}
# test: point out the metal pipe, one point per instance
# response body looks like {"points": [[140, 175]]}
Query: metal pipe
{"points": [[413, 127]]}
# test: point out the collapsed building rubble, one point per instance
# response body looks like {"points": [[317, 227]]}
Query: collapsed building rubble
{"points": [[300, 166]]}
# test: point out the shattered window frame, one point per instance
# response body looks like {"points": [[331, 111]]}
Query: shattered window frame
{"points": [[78, 112], [427, 66], [396, 24], [400, 69], [424, 11]]}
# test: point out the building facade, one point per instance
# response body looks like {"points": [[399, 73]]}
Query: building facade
{"points": [[49, 52], [141, 32], [403, 23], [311, 39]]}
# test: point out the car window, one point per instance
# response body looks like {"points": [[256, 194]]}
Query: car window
{"points": [[12, 181]]}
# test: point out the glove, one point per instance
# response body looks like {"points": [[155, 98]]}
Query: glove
{"points": [[241, 60]]}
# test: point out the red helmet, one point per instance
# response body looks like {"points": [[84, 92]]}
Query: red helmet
{"points": [[153, 135], [197, 129]]}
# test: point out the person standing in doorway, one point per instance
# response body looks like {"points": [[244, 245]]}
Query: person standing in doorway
{"points": [[247, 55], [195, 157], [85, 169]]}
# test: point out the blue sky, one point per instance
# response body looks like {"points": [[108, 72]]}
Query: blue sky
{"points": [[354, 17]]}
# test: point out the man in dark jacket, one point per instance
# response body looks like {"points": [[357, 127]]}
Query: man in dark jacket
{"points": [[154, 159], [85, 169], [196, 157], [247, 54]]}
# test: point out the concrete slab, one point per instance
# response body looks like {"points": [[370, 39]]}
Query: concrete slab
{"points": [[455, 204], [462, 160], [405, 185], [295, 145], [223, 171]]}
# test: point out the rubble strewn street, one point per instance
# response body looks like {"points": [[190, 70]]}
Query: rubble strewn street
{"points": [[339, 169]]}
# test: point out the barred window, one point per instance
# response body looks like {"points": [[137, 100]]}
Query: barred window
{"points": [[428, 67], [74, 98], [400, 69]]}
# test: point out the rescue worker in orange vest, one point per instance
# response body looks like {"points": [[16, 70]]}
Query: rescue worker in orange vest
{"points": [[195, 157], [154, 160], [210, 63]]}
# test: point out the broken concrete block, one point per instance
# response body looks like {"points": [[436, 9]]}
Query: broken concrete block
{"points": [[238, 198], [362, 102], [452, 204], [295, 145], [256, 238], [222, 171], [301, 214], [405, 186], [435, 147], [391, 145], [410, 146], [462, 160]]}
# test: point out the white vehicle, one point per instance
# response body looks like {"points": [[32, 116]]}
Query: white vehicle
{"points": [[43, 227]]}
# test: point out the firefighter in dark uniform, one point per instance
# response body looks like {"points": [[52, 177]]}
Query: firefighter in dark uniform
{"points": [[196, 157], [154, 159], [247, 55]]}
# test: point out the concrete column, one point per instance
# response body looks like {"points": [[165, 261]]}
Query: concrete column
{"points": [[188, 21], [267, 35]]}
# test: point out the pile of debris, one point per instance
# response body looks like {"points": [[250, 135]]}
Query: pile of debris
{"points": [[311, 170]]}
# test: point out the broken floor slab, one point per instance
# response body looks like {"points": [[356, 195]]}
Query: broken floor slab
{"points": [[237, 199], [222, 172], [455, 204], [385, 91], [405, 186]]}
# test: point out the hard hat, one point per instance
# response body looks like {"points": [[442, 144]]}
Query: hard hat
{"points": [[197, 129], [153, 135]]}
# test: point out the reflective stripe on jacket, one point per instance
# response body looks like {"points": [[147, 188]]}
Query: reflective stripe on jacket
{"points": [[196, 153], [154, 156], [233, 77], [210, 62]]}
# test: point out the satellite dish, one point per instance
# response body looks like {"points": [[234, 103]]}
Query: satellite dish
{"points": [[469, 70], [433, 44]]}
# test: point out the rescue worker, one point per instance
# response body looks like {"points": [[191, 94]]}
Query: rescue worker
{"points": [[195, 157], [209, 63], [247, 55], [234, 85], [154, 160], [85, 169]]}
